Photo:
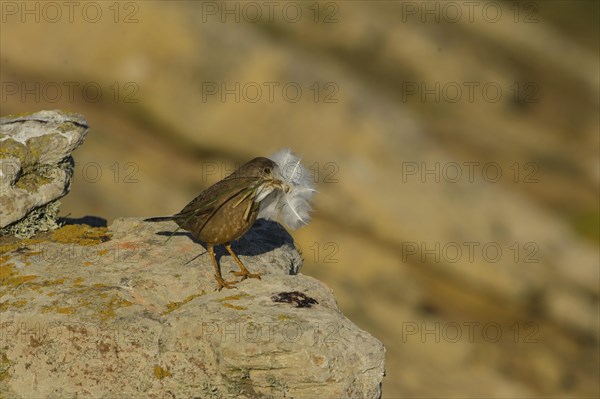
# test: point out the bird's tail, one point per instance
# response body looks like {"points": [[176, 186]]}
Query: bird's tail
{"points": [[159, 219]]}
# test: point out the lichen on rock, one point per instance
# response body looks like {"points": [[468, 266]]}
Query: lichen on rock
{"points": [[36, 168], [117, 312]]}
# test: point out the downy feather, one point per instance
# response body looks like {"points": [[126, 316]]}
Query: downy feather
{"points": [[290, 206]]}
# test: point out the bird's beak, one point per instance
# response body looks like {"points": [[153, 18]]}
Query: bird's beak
{"points": [[268, 187], [280, 185]]}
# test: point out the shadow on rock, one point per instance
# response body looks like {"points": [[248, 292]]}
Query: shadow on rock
{"points": [[264, 236], [93, 221]]}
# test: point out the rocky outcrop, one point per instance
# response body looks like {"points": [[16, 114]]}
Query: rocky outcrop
{"points": [[36, 168], [132, 310], [126, 311]]}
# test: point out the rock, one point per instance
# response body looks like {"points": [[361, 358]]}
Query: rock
{"points": [[9, 172], [122, 312], [36, 168]]}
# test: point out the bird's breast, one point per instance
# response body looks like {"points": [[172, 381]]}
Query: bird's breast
{"points": [[228, 222]]}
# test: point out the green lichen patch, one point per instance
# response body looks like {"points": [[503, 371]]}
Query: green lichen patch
{"points": [[78, 281], [5, 365], [6, 270], [26, 255], [277, 383], [161, 373], [103, 252], [58, 309], [40, 219], [110, 305], [98, 303], [211, 391], [40, 175], [35, 149], [6, 305], [236, 307], [45, 217], [10, 278], [99, 285], [11, 148], [16, 281], [80, 234], [10, 244], [234, 297], [237, 297], [50, 283], [171, 306], [240, 384], [40, 286], [31, 154], [32, 181], [67, 126]]}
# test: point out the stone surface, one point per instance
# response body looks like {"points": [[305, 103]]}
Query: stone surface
{"points": [[121, 312], [36, 164]]}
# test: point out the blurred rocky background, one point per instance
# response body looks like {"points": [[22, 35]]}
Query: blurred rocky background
{"points": [[454, 145]]}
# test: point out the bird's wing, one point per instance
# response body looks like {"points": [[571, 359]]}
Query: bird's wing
{"points": [[208, 202]]}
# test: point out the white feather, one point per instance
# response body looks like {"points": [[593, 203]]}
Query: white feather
{"points": [[290, 205]]}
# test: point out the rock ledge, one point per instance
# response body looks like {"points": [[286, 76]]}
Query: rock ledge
{"points": [[119, 312]]}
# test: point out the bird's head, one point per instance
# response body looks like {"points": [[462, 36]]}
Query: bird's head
{"points": [[265, 174], [281, 185]]}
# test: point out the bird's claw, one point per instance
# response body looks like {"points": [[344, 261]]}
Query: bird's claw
{"points": [[225, 284], [246, 274]]}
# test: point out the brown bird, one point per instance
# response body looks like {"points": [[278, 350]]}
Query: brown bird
{"points": [[226, 210]]}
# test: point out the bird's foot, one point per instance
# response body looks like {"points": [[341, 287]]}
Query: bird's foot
{"points": [[225, 284], [244, 274]]}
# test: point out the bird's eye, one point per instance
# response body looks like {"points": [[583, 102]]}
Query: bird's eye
{"points": [[267, 171]]}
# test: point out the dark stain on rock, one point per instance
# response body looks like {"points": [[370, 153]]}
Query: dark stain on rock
{"points": [[299, 298]]}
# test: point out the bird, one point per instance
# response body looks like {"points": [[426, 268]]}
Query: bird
{"points": [[225, 211]]}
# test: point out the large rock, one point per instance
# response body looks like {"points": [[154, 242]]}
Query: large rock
{"points": [[122, 312], [36, 167]]}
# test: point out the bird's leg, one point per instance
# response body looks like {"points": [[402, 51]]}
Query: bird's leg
{"points": [[222, 283], [244, 273]]}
